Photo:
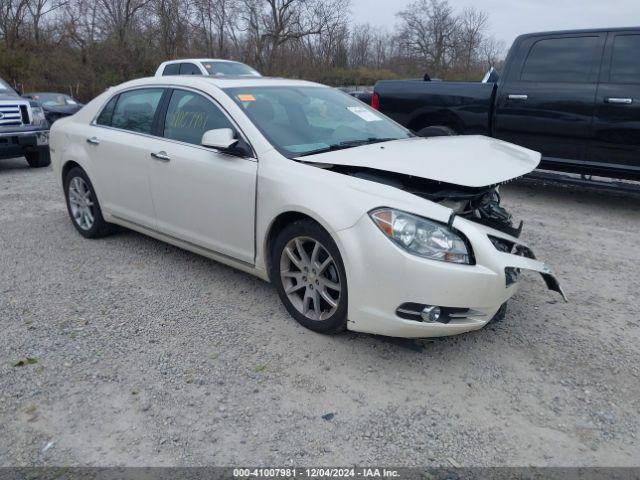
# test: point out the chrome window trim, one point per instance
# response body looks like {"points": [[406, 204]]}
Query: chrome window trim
{"points": [[93, 123]]}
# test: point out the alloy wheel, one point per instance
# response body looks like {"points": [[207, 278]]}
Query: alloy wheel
{"points": [[81, 203], [310, 278]]}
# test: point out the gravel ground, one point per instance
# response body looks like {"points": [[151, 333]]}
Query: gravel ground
{"points": [[144, 354]]}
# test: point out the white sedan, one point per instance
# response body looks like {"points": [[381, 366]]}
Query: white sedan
{"points": [[359, 224]]}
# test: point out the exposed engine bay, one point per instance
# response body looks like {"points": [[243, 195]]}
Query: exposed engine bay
{"points": [[481, 205]]}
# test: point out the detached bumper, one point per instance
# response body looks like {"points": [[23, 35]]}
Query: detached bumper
{"points": [[16, 144], [382, 279]]}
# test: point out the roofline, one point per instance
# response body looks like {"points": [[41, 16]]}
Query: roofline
{"points": [[579, 31], [178, 60]]}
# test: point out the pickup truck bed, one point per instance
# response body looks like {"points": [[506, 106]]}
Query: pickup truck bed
{"points": [[465, 107]]}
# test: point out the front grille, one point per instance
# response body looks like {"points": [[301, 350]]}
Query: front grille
{"points": [[13, 114]]}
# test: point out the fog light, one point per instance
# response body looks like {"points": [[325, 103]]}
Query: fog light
{"points": [[430, 314]]}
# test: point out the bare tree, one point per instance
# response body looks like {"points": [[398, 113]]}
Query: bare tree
{"points": [[12, 18], [360, 47], [38, 11], [86, 45], [472, 25], [428, 31], [492, 52]]}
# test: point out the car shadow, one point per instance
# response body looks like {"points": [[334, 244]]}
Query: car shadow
{"points": [[11, 164]]}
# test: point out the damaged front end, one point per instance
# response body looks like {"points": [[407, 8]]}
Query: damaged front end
{"points": [[477, 204]]}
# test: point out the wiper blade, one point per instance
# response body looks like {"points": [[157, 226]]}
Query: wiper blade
{"points": [[347, 144]]}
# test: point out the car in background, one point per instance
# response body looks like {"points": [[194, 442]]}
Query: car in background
{"points": [[55, 105], [24, 130], [360, 224], [206, 66], [572, 95]]}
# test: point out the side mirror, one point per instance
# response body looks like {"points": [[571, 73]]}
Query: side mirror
{"points": [[220, 138]]}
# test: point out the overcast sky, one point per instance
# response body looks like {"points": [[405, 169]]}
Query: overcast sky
{"points": [[510, 18]]}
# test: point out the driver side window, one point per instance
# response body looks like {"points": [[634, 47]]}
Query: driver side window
{"points": [[189, 115]]}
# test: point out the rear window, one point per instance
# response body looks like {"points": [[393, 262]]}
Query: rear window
{"points": [[625, 62], [136, 109], [107, 113], [570, 59], [230, 68]]}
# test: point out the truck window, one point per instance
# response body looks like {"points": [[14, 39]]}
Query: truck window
{"points": [[568, 59], [172, 69], [625, 63], [189, 69]]}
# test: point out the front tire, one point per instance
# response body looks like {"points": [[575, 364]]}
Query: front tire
{"points": [[310, 277], [83, 206], [38, 159]]}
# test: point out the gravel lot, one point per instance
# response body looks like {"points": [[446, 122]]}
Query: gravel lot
{"points": [[144, 354]]}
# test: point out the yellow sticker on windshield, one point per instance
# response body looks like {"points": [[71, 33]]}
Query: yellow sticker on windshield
{"points": [[245, 97]]}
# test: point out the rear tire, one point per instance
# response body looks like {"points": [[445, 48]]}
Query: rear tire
{"points": [[436, 131], [39, 159], [310, 277], [83, 206]]}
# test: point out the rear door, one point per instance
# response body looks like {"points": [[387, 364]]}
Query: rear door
{"points": [[548, 98], [119, 142], [617, 122]]}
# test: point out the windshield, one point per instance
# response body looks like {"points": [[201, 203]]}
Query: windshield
{"points": [[4, 87], [54, 99], [229, 68], [302, 121]]}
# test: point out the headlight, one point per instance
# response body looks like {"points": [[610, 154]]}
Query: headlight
{"points": [[38, 118], [421, 237]]}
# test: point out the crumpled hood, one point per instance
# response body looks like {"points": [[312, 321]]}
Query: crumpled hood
{"points": [[470, 161], [63, 109]]}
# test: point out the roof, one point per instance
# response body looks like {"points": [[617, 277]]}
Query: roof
{"points": [[201, 60], [220, 82], [581, 31]]}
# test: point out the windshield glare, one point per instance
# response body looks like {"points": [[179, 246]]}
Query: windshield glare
{"points": [[229, 68], [4, 86], [303, 120], [54, 99]]}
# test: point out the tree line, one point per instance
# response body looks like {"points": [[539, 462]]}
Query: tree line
{"points": [[84, 46]]}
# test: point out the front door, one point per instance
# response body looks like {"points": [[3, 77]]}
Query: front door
{"points": [[203, 196]]}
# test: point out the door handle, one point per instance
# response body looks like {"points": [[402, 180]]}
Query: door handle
{"points": [[161, 156], [93, 141], [513, 96], [619, 101]]}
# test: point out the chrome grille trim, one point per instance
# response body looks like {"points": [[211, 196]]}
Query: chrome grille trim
{"points": [[11, 113]]}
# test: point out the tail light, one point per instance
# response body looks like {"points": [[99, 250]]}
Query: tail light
{"points": [[375, 101]]}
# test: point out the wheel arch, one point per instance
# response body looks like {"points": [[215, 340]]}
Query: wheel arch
{"points": [[282, 220], [438, 118], [68, 165]]}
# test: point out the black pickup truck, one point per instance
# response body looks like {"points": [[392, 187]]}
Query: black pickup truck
{"points": [[574, 96], [24, 130]]}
